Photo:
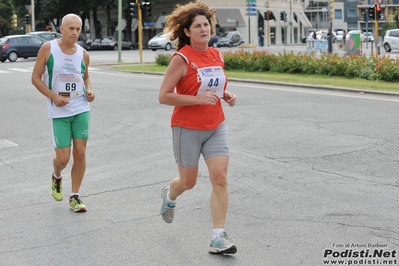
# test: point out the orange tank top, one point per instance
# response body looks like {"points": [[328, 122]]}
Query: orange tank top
{"points": [[204, 72]]}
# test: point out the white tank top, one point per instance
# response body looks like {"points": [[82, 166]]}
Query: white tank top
{"points": [[64, 76]]}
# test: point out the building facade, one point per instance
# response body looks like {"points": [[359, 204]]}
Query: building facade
{"points": [[231, 15], [349, 14]]}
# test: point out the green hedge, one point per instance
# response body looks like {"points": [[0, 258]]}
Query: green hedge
{"points": [[351, 66]]}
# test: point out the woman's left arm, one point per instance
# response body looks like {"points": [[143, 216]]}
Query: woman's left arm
{"points": [[229, 98]]}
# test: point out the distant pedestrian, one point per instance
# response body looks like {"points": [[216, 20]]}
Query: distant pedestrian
{"points": [[344, 37], [261, 34]]}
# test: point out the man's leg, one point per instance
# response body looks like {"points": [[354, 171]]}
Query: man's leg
{"points": [[77, 173], [61, 159], [79, 163]]}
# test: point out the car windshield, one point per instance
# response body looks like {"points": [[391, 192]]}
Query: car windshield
{"points": [[164, 35], [226, 34]]}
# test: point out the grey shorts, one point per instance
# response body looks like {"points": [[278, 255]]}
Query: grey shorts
{"points": [[189, 144]]}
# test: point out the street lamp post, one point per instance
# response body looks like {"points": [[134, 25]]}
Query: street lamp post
{"points": [[267, 23], [291, 31], [33, 14]]}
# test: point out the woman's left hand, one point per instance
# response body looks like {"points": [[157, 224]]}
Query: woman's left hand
{"points": [[229, 98]]}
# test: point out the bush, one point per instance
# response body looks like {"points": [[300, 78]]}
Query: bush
{"points": [[350, 66], [163, 59]]}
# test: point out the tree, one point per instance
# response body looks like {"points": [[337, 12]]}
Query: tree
{"points": [[396, 18], [5, 16]]}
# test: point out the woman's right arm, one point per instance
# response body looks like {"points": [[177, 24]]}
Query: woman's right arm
{"points": [[176, 70]]}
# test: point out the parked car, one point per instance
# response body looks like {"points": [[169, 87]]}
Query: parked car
{"points": [[230, 39], [46, 35], [355, 32], [94, 45], [368, 37], [339, 36], [334, 39], [161, 41], [82, 42], [110, 43], [19, 46], [391, 40], [213, 41]]}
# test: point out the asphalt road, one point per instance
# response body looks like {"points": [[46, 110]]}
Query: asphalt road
{"points": [[313, 177]]}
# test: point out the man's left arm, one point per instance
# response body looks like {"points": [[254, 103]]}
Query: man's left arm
{"points": [[86, 78]]}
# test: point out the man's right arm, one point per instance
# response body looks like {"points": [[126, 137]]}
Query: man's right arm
{"points": [[37, 73]]}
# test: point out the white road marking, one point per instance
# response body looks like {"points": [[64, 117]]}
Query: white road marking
{"points": [[19, 69]]}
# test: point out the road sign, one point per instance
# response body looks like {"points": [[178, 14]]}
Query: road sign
{"points": [[251, 14], [251, 9]]}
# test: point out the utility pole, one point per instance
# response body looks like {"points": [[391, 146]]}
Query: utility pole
{"points": [[376, 28], [33, 14], [291, 34], [136, 12], [119, 29]]}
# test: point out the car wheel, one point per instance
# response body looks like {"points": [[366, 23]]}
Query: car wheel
{"points": [[2, 60], [12, 56], [214, 45], [168, 46], [387, 48], [153, 49], [231, 44], [131, 47], [115, 47]]}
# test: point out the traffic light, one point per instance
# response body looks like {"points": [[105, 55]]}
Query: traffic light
{"points": [[331, 9], [380, 14], [363, 16], [268, 15], [283, 16], [146, 9], [14, 21], [371, 13], [28, 19], [134, 10], [271, 15]]}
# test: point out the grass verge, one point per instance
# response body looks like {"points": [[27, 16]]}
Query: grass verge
{"points": [[290, 78]]}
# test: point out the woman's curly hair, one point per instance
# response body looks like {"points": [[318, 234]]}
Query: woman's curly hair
{"points": [[182, 18]]}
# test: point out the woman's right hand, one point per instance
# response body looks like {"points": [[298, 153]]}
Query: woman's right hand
{"points": [[208, 97]]}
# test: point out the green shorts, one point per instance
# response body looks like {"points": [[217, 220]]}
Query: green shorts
{"points": [[67, 128]]}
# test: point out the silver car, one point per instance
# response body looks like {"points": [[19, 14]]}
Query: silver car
{"points": [[230, 39], [161, 41], [110, 43], [391, 40]]}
